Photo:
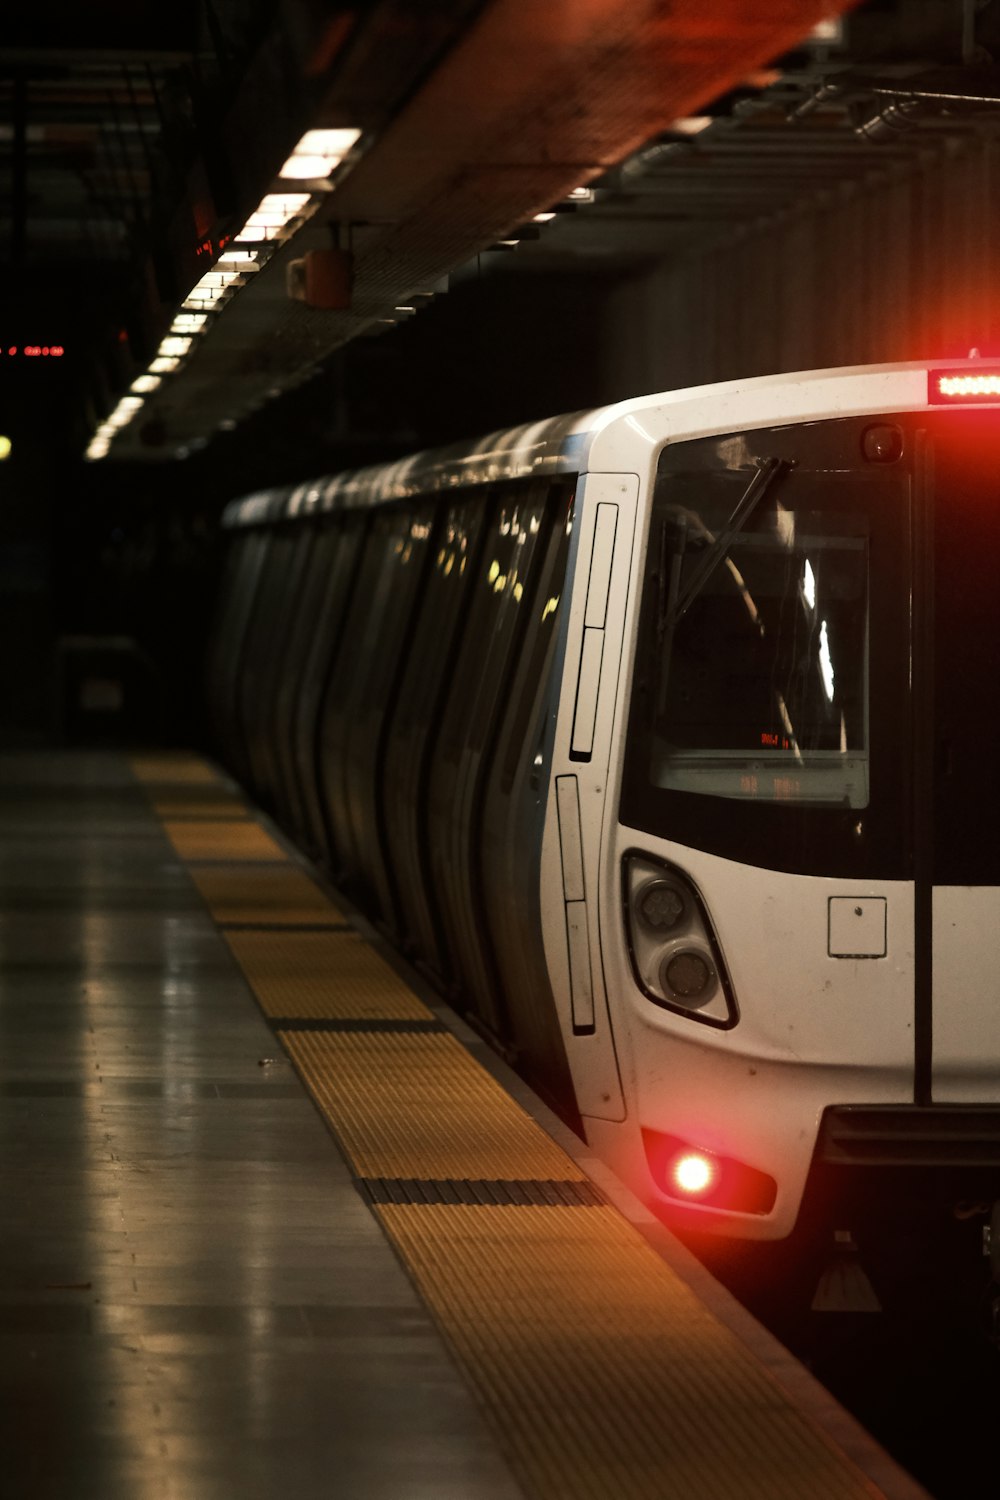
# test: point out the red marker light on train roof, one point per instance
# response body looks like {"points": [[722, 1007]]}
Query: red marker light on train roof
{"points": [[958, 387]]}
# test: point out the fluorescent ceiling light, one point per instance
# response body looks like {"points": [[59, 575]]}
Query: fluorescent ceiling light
{"points": [[163, 364], [543, 218], [189, 322], [146, 383], [272, 213], [318, 152], [691, 124]]}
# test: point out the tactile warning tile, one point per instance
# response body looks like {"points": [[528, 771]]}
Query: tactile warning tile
{"points": [[179, 767], [223, 841], [323, 976], [210, 801], [417, 1105], [275, 895], [601, 1372]]}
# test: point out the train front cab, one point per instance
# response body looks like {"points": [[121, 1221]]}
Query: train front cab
{"points": [[782, 802]]}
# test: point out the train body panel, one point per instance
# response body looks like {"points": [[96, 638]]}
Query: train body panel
{"points": [[967, 1028], [683, 789]]}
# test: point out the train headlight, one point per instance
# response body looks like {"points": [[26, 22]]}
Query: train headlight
{"points": [[661, 905], [675, 956], [689, 977]]}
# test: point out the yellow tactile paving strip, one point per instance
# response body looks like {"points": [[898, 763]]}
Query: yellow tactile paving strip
{"points": [[222, 841], [179, 767], [323, 976], [601, 1372], [275, 894], [219, 806], [600, 1369], [417, 1105]]}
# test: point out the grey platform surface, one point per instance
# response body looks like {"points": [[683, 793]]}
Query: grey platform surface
{"points": [[195, 1303]]}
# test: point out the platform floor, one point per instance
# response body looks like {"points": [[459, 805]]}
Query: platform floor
{"points": [[222, 1275]]}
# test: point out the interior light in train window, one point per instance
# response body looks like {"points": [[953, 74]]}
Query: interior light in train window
{"points": [[175, 347], [318, 152], [145, 383], [947, 387]]}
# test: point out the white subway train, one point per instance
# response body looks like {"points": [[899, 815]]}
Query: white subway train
{"points": [[666, 737]]}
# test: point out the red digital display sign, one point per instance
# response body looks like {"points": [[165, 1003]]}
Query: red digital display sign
{"points": [[32, 351]]}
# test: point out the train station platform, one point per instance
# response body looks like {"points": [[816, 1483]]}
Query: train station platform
{"points": [[278, 1226]]}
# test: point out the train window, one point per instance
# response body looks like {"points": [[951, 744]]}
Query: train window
{"points": [[540, 633], [761, 671], [770, 697]]}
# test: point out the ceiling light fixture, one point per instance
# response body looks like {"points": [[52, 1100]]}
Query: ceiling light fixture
{"points": [[274, 212], [318, 152]]}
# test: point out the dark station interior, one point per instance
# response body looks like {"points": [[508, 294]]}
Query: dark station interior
{"points": [[543, 207]]}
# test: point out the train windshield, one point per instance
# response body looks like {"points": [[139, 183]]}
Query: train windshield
{"points": [[761, 669], [770, 691]]}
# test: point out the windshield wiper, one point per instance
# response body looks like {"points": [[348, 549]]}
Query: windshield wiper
{"points": [[674, 601], [681, 599]]}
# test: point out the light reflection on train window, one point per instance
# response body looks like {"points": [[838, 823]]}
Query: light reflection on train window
{"points": [[762, 681]]}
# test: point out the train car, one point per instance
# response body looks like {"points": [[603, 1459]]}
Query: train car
{"points": [[663, 737]]}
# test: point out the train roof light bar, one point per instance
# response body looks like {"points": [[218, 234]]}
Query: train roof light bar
{"points": [[963, 387]]}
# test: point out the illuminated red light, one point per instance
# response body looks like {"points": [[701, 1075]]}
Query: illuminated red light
{"points": [[693, 1174], [946, 386], [35, 351], [706, 1179]]}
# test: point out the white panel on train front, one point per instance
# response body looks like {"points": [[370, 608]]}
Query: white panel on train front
{"points": [[570, 838], [587, 688], [856, 927], [580, 974], [600, 566], [966, 995]]}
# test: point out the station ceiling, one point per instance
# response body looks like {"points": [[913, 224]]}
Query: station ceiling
{"points": [[572, 134]]}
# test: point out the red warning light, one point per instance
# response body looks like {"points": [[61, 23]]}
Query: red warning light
{"points": [[694, 1175], [34, 351], [956, 387]]}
